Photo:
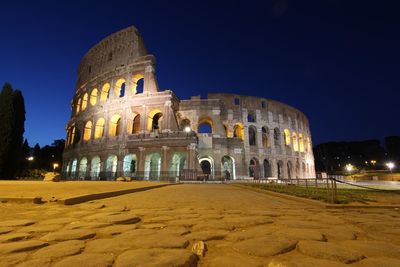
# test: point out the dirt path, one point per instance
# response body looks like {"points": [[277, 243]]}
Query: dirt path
{"points": [[230, 226]]}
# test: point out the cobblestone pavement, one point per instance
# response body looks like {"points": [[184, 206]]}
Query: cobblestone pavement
{"points": [[196, 225]]}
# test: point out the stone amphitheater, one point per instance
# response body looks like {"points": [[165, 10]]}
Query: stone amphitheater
{"points": [[122, 124]]}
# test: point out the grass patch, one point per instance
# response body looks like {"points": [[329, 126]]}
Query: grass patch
{"points": [[344, 195]]}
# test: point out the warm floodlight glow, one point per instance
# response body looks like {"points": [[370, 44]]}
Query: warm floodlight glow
{"points": [[55, 166], [30, 158], [390, 165], [187, 129], [349, 167]]}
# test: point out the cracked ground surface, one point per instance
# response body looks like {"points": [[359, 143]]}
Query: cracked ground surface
{"points": [[160, 227]]}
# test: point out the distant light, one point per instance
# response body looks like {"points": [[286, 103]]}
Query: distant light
{"points": [[55, 166], [30, 158], [390, 165], [349, 167], [373, 162], [187, 129]]}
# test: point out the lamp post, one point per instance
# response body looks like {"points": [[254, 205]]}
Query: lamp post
{"points": [[349, 168], [390, 165], [55, 166]]}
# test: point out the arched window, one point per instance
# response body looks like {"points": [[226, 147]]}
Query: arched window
{"points": [[136, 124], [87, 131], [105, 92], [286, 133], [111, 166], [280, 169], [277, 137], [252, 136], [238, 131], [205, 127], [228, 168], [129, 164], [301, 143], [93, 97], [303, 169], [251, 118], [85, 101], [120, 88], [267, 169], [152, 166], [137, 84], [265, 133], [254, 168], [295, 143], [72, 136], [78, 105], [82, 168], [73, 168], [308, 146], [177, 164], [99, 129], [115, 125], [186, 126], [95, 167], [289, 169]]}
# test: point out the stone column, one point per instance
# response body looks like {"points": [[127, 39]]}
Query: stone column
{"points": [[150, 82], [140, 166], [128, 85], [143, 120], [164, 161], [166, 122]]}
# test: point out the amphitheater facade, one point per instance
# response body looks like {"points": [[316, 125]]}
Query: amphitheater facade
{"points": [[122, 124]]}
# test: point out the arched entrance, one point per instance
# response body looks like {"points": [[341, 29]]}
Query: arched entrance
{"points": [[228, 168], [207, 167], [280, 169], [267, 169], [129, 165], [177, 165], [95, 168], [254, 168], [111, 166], [152, 167]]}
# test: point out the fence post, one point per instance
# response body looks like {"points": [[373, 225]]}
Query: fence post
{"points": [[327, 189]]}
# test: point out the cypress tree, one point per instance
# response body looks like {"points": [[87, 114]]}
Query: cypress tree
{"points": [[12, 120]]}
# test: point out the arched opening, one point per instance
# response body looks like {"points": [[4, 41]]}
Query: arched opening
{"points": [[111, 166], [82, 168], [115, 125], [280, 169], [289, 169], [152, 166], [85, 101], [265, 133], [297, 168], [186, 126], [73, 168], [286, 134], [136, 124], [137, 84], [78, 106], [267, 169], [226, 130], [238, 131], [252, 136], [95, 168], [205, 125], [120, 88], [207, 167], [99, 128], [177, 164], [301, 143], [228, 168], [105, 92], [129, 165], [154, 121], [254, 168], [308, 144], [93, 97], [277, 137], [295, 144], [87, 131]]}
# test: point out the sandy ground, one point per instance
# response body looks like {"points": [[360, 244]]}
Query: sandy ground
{"points": [[197, 225]]}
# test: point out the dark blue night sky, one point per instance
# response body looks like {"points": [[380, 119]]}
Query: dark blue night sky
{"points": [[337, 61]]}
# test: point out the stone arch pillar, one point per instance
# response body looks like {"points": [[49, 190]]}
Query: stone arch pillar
{"points": [[150, 81]]}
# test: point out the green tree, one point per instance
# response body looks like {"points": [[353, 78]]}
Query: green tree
{"points": [[12, 121]]}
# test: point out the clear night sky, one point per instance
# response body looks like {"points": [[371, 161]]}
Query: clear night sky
{"points": [[337, 61]]}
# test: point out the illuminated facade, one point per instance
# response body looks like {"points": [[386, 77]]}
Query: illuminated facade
{"points": [[122, 124]]}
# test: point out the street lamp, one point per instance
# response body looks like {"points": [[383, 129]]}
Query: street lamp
{"points": [[349, 168], [390, 165], [30, 158], [55, 166], [187, 129]]}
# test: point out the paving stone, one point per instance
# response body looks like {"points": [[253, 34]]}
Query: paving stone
{"points": [[62, 249], [85, 225], [158, 240], [207, 235], [156, 258], [89, 260], [199, 248], [153, 226], [63, 235], [253, 232], [303, 262], [239, 222], [5, 230], [304, 234], [10, 237], [99, 215], [116, 218], [57, 221], [303, 224], [373, 248], [328, 251], [21, 246], [265, 246], [43, 262], [113, 245], [15, 223], [116, 229], [378, 262], [36, 228], [12, 259]]}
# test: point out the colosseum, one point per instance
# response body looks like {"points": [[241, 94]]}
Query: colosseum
{"points": [[122, 124]]}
